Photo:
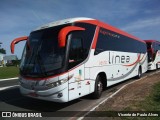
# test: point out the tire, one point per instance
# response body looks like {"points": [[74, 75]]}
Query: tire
{"points": [[156, 66], [98, 88], [139, 73]]}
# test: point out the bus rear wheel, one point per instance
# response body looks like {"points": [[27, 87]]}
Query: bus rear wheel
{"points": [[98, 88]]}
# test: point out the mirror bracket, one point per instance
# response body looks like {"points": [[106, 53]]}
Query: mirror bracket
{"points": [[64, 32], [17, 40]]}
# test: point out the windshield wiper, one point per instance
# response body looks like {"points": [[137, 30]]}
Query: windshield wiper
{"points": [[41, 64]]}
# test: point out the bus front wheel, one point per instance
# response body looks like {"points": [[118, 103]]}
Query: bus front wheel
{"points": [[98, 88]]}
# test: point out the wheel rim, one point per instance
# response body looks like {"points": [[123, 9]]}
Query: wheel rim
{"points": [[100, 87]]}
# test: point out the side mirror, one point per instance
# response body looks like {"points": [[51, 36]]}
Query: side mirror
{"points": [[64, 32], [15, 41]]}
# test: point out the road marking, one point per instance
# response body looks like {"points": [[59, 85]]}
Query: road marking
{"points": [[9, 79], [4, 88], [112, 95]]}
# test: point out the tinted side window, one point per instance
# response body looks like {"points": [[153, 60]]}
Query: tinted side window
{"points": [[76, 52], [149, 45], [87, 35], [80, 43], [109, 40], [154, 46], [157, 46]]}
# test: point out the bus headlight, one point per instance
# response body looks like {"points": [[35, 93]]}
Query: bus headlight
{"points": [[55, 84], [59, 82]]}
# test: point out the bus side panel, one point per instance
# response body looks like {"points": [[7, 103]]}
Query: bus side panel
{"points": [[144, 62], [118, 66], [158, 58], [78, 85]]}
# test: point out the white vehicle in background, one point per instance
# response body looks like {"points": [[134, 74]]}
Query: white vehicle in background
{"points": [[68, 59], [153, 48]]}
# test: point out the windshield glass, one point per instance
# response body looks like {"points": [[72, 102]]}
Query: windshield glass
{"points": [[42, 56], [149, 45]]}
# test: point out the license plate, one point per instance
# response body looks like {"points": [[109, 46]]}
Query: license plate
{"points": [[33, 94]]}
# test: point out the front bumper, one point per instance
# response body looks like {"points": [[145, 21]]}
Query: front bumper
{"points": [[57, 94]]}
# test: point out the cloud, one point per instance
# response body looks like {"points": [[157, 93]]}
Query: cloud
{"points": [[20, 17], [142, 24]]}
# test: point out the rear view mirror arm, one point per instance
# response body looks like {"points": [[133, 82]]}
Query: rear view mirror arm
{"points": [[17, 40]]}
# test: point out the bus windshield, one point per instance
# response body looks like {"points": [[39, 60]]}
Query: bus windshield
{"points": [[42, 56], [149, 45]]}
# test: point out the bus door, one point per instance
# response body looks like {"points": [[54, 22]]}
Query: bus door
{"points": [[77, 85]]}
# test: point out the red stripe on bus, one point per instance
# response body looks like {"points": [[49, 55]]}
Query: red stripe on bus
{"points": [[142, 58], [46, 78], [138, 59], [95, 38], [53, 76]]}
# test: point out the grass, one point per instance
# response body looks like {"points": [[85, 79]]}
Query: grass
{"points": [[9, 72], [150, 103]]}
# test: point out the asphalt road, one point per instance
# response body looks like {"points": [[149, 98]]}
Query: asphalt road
{"points": [[8, 83], [12, 100]]}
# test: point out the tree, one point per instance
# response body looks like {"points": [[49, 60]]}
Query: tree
{"points": [[3, 51]]}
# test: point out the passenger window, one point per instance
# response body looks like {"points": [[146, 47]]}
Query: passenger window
{"points": [[112, 41], [76, 52]]}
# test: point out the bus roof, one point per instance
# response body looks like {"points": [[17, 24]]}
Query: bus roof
{"points": [[151, 41], [109, 27], [61, 22], [91, 21]]}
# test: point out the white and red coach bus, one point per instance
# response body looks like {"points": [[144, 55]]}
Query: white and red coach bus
{"points": [[153, 48], [68, 59]]}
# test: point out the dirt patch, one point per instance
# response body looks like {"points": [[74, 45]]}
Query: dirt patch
{"points": [[132, 93], [128, 97]]}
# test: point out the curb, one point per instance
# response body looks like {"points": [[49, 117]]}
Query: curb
{"points": [[4, 88], [9, 79]]}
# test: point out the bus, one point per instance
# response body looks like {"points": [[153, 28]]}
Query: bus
{"points": [[153, 49], [71, 58]]}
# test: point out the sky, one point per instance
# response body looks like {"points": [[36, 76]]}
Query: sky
{"points": [[140, 18]]}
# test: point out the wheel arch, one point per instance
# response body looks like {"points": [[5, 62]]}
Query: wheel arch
{"points": [[103, 77]]}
